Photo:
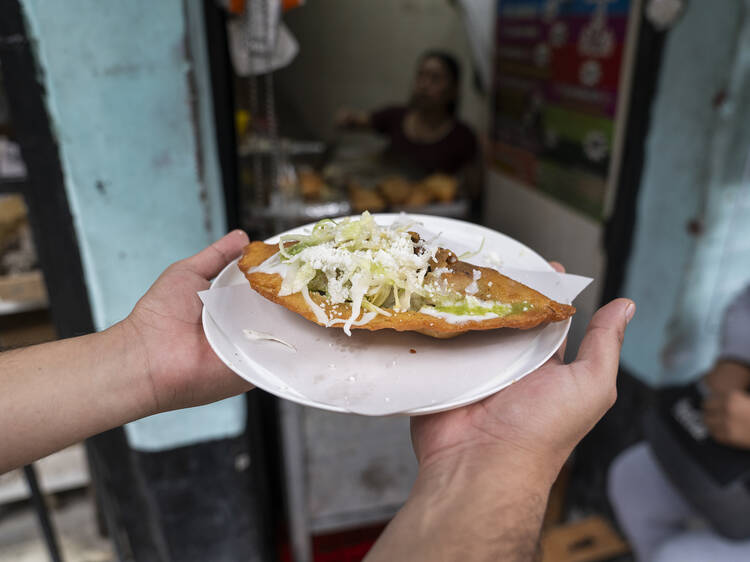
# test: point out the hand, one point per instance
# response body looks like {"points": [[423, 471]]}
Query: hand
{"points": [[485, 470], [166, 329], [535, 423], [727, 376], [350, 119], [727, 417], [343, 118]]}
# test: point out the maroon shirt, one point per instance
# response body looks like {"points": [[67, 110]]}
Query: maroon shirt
{"points": [[448, 155]]}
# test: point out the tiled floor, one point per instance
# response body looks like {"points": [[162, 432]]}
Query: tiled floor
{"points": [[75, 522]]}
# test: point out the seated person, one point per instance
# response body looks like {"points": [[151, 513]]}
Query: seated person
{"points": [[653, 511], [425, 136]]}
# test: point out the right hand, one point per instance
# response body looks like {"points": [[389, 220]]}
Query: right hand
{"points": [[536, 422]]}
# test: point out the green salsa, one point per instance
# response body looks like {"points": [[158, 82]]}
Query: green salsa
{"points": [[466, 309]]}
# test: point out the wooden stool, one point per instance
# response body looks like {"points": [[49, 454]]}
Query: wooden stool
{"points": [[590, 540]]}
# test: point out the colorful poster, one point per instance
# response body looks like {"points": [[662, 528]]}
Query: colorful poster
{"points": [[557, 95]]}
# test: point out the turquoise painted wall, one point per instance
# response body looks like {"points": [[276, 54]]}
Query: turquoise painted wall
{"points": [[143, 190], [697, 159]]}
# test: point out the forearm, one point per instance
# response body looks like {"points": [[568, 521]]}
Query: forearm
{"points": [[55, 394], [472, 510]]}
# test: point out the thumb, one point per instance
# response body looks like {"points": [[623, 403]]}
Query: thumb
{"points": [[211, 260], [599, 354]]}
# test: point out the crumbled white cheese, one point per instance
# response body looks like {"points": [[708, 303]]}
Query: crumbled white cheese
{"points": [[493, 259], [359, 268]]}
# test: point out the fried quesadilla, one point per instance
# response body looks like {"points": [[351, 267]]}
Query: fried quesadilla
{"points": [[357, 274]]}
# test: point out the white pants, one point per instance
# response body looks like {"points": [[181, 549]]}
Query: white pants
{"points": [[658, 522]]}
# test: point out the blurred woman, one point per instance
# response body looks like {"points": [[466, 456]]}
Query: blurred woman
{"points": [[667, 505], [425, 135]]}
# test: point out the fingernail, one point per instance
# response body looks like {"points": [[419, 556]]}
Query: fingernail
{"points": [[629, 312]]}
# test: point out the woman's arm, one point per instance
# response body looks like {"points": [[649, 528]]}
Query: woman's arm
{"points": [[352, 119], [55, 394], [732, 370]]}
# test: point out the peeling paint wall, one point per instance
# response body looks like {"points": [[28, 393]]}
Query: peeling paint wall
{"points": [[118, 94], [696, 169], [143, 191]]}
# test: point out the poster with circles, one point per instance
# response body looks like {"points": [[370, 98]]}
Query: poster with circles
{"points": [[560, 95]]}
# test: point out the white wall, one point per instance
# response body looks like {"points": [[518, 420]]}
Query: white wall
{"points": [[554, 231], [143, 191], [363, 53]]}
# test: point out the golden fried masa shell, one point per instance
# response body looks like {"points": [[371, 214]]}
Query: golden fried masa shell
{"points": [[492, 285]]}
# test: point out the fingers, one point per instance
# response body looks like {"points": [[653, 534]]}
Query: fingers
{"points": [[599, 354], [557, 266], [210, 261], [716, 418], [560, 353], [714, 405], [725, 419], [716, 428]]}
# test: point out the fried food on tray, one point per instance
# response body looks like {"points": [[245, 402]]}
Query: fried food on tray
{"points": [[311, 184], [12, 216], [359, 275], [396, 190], [419, 197], [441, 187], [362, 199]]}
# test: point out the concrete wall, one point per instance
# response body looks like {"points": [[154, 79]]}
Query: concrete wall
{"points": [[362, 54], [554, 231], [697, 168], [141, 178]]}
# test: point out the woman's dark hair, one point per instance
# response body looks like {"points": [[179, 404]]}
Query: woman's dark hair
{"points": [[452, 66]]}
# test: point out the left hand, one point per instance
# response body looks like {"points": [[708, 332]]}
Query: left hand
{"points": [[181, 367], [727, 417], [728, 375]]}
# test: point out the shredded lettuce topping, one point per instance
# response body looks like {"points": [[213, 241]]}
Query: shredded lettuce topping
{"points": [[374, 268], [358, 261]]}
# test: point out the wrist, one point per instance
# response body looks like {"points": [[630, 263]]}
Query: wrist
{"points": [[490, 471], [488, 502], [125, 346], [519, 466]]}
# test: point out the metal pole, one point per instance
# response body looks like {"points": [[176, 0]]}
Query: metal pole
{"points": [[293, 448], [42, 514]]}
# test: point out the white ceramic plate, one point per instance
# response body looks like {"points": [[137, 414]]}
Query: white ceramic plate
{"points": [[377, 373]]}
